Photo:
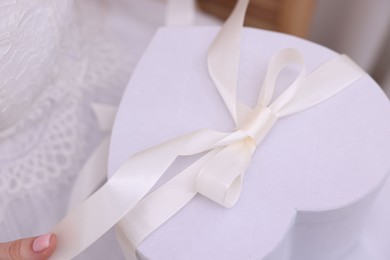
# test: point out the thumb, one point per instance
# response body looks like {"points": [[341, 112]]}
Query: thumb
{"points": [[35, 248]]}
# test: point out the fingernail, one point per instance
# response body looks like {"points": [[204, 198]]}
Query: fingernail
{"points": [[41, 243]]}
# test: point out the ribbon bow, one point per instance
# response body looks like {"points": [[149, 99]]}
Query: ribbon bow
{"points": [[217, 174]]}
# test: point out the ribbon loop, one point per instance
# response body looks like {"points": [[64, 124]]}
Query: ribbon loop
{"points": [[220, 179], [279, 61]]}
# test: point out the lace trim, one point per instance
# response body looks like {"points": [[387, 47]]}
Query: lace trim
{"points": [[47, 148]]}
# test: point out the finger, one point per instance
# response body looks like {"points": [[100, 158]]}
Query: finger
{"points": [[35, 248]]}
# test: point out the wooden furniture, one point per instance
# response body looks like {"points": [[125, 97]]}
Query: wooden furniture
{"points": [[289, 16]]}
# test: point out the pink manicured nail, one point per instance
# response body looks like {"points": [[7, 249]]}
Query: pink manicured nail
{"points": [[41, 243]]}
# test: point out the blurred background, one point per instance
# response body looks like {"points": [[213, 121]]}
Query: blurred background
{"points": [[358, 28]]}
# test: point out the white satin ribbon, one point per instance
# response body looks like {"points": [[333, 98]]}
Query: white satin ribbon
{"points": [[94, 172], [219, 172]]}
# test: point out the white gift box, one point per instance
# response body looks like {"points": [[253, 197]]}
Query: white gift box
{"points": [[311, 182]]}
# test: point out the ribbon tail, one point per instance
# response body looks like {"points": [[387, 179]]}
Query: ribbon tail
{"points": [[131, 182], [94, 172], [224, 55], [128, 250], [153, 211], [94, 217], [92, 176]]}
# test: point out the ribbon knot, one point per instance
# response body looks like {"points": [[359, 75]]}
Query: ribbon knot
{"points": [[220, 178], [258, 126]]}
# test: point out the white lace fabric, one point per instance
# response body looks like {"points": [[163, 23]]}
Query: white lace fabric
{"points": [[29, 38], [68, 55], [56, 58]]}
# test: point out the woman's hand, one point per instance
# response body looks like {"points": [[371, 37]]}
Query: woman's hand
{"points": [[35, 248]]}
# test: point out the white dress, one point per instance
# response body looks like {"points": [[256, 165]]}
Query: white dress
{"points": [[56, 57]]}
